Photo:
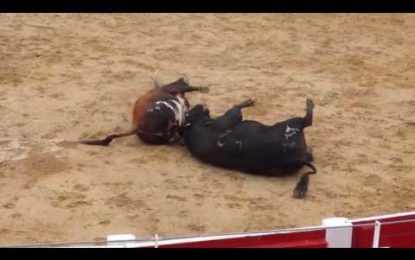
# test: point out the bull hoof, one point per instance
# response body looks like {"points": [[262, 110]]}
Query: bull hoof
{"points": [[251, 102], [204, 89], [301, 189], [247, 103]]}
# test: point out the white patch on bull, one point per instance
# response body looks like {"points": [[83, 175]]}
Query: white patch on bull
{"points": [[220, 143], [179, 112], [290, 132], [176, 108], [182, 102], [151, 110], [167, 105]]}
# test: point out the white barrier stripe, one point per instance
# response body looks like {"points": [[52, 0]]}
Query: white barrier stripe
{"points": [[156, 238], [376, 235]]}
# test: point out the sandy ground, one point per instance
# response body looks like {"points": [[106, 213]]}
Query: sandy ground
{"points": [[68, 76]]}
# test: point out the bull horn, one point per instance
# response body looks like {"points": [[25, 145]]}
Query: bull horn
{"points": [[156, 82]]}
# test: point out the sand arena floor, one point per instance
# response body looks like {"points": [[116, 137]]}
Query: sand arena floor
{"points": [[69, 76]]}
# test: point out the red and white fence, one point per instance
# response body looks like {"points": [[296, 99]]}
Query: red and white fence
{"points": [[396, 230]]}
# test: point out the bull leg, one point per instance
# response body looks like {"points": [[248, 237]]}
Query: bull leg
{"points": [[308, 118], [246, 103], [182, 86], [297, 124], [233, 116], [107, 140], [302, 185], [201, 89]]}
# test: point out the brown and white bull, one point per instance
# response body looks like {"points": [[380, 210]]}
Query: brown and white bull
{"points": [[158, 114]]}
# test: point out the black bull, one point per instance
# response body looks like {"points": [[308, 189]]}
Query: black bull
{"points": [[250, 146]]}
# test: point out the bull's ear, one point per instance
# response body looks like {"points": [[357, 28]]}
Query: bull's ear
{"points": [[184, 79], [156, 83]]}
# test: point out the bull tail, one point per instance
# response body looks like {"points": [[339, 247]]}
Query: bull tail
{"points": [[302, 185], [107, 140]]}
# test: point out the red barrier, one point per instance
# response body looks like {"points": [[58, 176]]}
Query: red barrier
{"points": [[304, 239], [395, 231]]}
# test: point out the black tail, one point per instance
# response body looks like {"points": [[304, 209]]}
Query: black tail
{"points": [[107, 140], [302, 185]]}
